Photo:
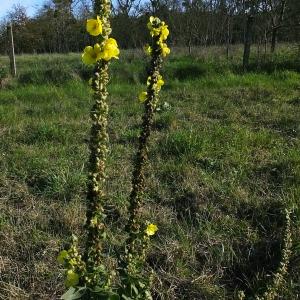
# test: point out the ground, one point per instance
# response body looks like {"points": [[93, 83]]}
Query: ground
{"points": [[224, 166]]}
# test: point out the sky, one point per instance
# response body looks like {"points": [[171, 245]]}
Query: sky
{"points": [[31, 6]]}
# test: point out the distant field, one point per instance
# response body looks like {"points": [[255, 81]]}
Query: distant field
{"points": [[224, 165]]}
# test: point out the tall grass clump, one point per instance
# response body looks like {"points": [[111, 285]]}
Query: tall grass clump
{"points": [[88, 276]]}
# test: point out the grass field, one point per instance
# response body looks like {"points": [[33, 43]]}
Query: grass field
{"points": [[224, 166]]}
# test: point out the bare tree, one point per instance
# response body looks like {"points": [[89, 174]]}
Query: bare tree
{"points": [[251, 9], [277, 11]]}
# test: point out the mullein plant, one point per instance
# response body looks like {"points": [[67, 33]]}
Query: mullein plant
{"points": [[273, 288], [87, 276], [135, 284]]}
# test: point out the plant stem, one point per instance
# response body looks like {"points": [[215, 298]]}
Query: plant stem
{"points": [[96, 180], [138, 176]]}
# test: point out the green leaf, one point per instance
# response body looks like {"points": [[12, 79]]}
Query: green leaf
{"points": [[126, 298], [73, 293], [114, 297], [105, 295], [134, 288]]}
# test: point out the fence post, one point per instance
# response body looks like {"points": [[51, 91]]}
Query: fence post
{"points": [[11, 51]]}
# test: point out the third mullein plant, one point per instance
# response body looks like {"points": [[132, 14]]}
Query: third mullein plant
{"points": [[88, 276]]}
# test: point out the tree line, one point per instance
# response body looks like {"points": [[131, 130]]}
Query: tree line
{"points": [[57, 26]]}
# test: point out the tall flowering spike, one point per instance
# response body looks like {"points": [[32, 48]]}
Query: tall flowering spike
{"points": [[98, 145], [273, 289], [138, 236], [89, 273]]}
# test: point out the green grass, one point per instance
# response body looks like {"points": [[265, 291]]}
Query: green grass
{"points": [[224, 164]]}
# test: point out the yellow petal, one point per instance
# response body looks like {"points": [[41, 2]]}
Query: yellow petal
{"points": [[148, 49], [155, 31], [148, 80], [110, 50], [94, 26], [164, 32], [164, 49], [143, 96], [160, 81], [97, 48], [88, 59], [112, 41], [91, 54], [89, 50], [151, 229]]}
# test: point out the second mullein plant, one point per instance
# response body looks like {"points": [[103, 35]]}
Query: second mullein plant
{"points": [[87, 275]]}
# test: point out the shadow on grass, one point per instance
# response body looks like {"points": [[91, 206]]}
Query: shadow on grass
{"points": [[259, 259]]}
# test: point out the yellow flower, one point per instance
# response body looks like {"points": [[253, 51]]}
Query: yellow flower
{"points": [[72, 278], [158, 85], [165, 50], [151, 19], [62, 256], [148, 49], [149, 24], [154, 30], [143, 96], [94, 26], [94, 222], [164, 32], [158, 28], [151, 229], [91, 54], [110, 50], [160, 82]]}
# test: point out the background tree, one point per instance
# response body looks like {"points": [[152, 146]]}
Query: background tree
{"points": [[57, 25]]}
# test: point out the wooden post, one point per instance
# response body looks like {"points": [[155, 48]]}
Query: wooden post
{"points": [[11, 50]]}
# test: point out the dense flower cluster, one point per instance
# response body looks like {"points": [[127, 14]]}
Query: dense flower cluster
{"points": [[159, 32], [106, 50]]}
